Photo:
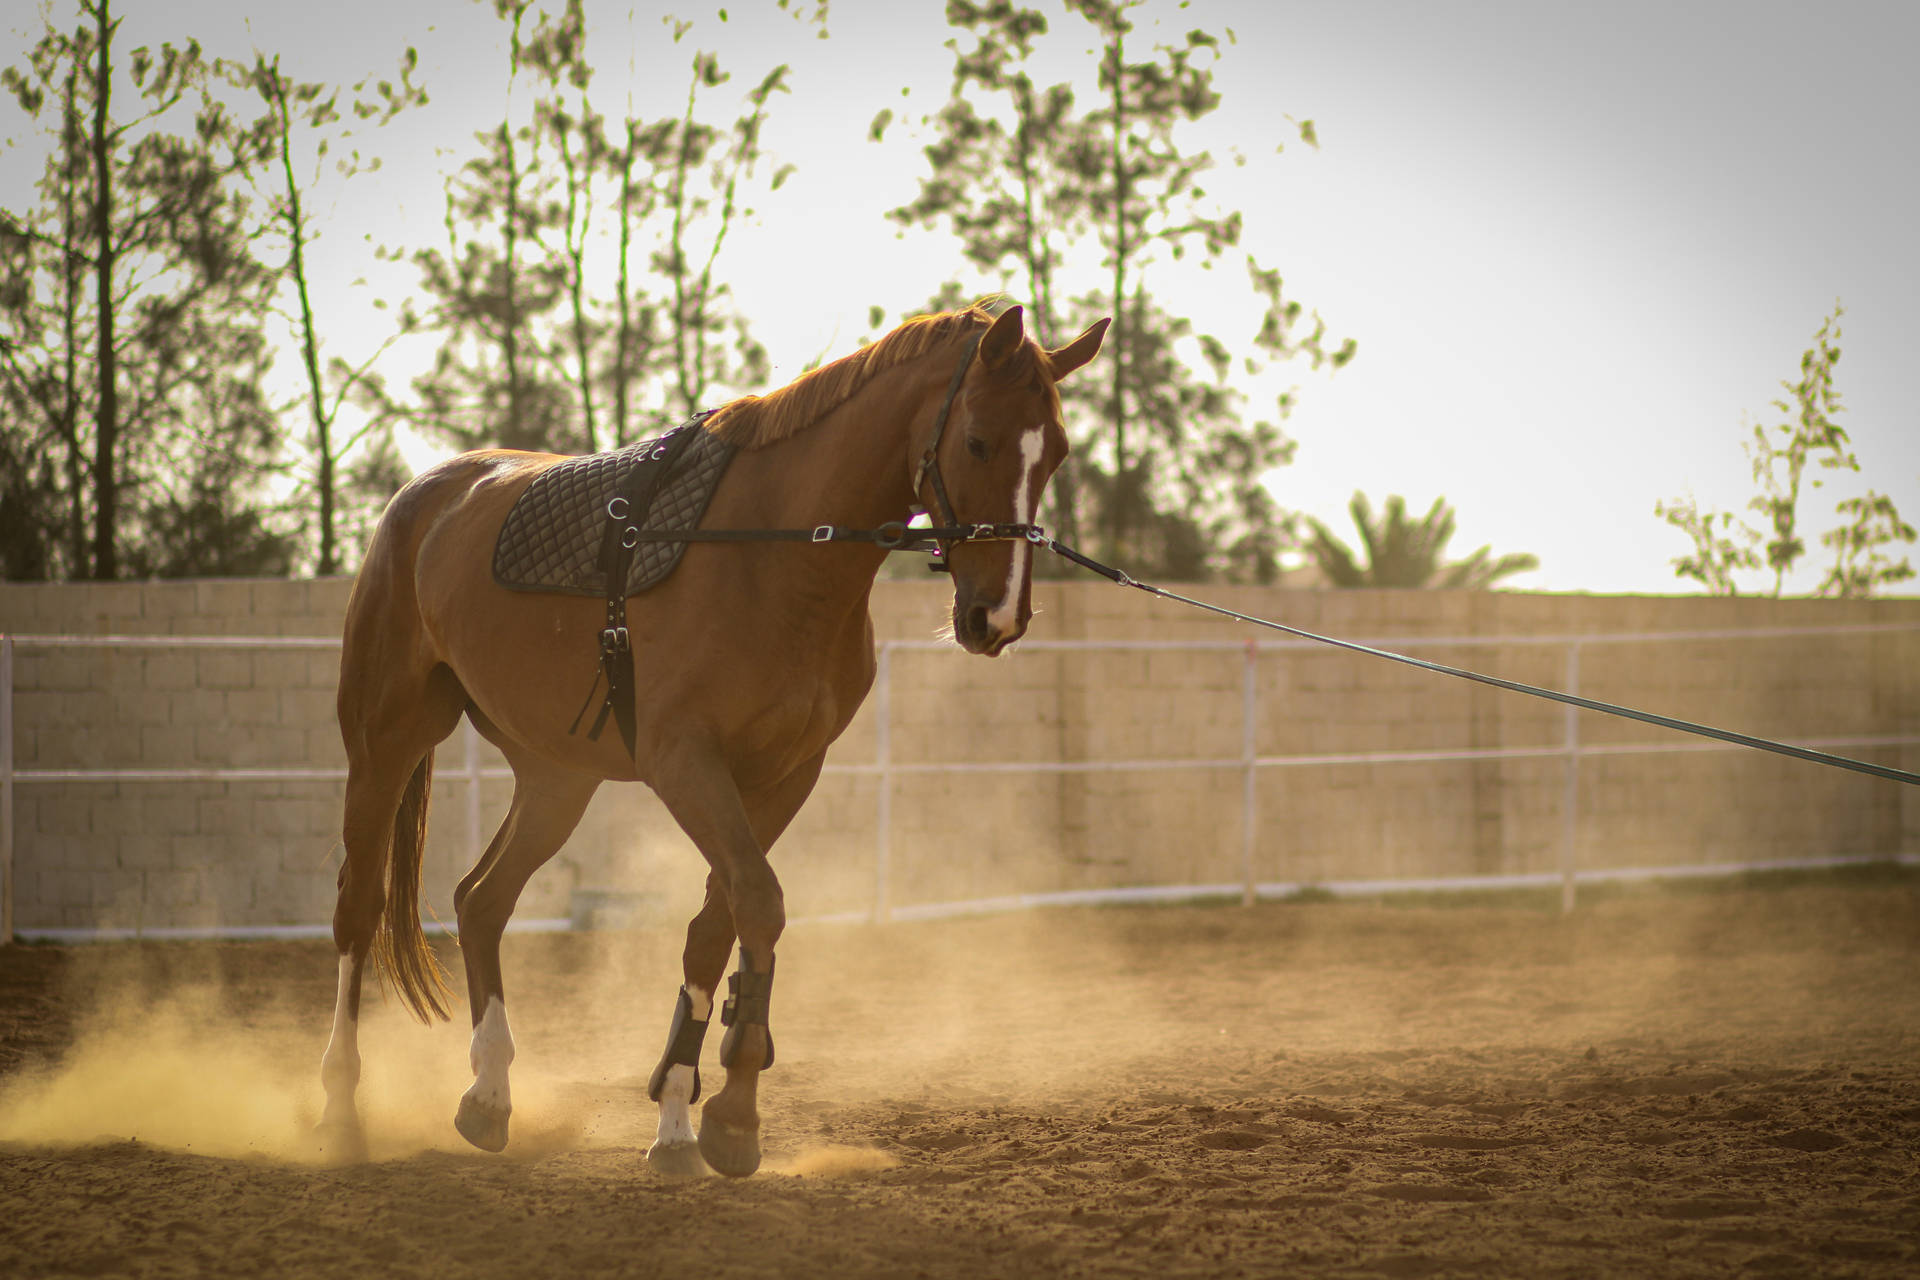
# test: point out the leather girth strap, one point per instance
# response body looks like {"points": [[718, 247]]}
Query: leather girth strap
{"points": [[626, 512]]}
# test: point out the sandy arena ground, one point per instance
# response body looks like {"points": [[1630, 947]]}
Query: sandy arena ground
{"points": [[1702, 1084]]}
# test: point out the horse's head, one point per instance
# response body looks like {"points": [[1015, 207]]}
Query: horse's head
{"points": [[1001, 443]]}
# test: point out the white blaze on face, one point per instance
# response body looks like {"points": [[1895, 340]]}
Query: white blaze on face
{"points": [[1026, 499], [490, 1056], [676, 1091]]}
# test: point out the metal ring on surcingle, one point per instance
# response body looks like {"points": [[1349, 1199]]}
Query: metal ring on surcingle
{"points": [[619, 501], [890, 536]]}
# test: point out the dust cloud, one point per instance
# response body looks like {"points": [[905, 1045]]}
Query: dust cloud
{"points": [[184, 1070], [163, 1075], [1716, 1082], [834, 1162], [216, 1051]]}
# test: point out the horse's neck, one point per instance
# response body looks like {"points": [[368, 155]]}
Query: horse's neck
{"points": [[851, 467]]}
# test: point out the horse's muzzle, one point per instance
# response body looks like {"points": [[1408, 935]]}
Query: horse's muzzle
{"points": [[977, 631]]}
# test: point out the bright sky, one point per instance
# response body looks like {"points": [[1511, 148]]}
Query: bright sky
{"points": [[1580, 246]]}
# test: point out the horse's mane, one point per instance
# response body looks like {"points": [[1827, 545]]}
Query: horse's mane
{"points": [[752, 422]]}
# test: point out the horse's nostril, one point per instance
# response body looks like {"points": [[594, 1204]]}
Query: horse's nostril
{"points": [[977, 620]]}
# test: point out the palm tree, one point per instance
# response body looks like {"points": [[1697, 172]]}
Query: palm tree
{"points": [[1401, 553]]}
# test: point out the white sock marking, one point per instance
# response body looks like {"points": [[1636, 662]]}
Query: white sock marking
{"points": [[491, 1054], [340, 1064], [676, 1091], [1004, 616]]}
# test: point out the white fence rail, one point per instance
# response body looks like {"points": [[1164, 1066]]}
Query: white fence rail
{"points": [[470, 773]]}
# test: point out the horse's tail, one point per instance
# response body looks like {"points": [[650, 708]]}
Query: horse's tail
{"points": [[399, 944]]}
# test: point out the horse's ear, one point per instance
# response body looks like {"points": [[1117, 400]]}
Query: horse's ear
{"points": [[1079, 351], [1003, 338]]}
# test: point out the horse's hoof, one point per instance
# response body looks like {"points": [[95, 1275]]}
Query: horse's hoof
{"points": [[676, 1160], [341, 1141], [484, 1127], [734, 1152]]}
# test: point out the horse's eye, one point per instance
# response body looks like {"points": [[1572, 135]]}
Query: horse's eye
{"points": [[977, 447]]}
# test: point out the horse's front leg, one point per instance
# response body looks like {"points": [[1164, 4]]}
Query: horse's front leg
{"points": [[730, 1121], [744, 901], [675, 1083]]}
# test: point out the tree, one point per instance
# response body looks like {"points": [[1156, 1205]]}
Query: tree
{"points": [[1026, 181], [1403, 553], [29, 516], [578, 138], [1002, 187], [535, 358], [209, 514], [704, 174], [1861, 564], [1810, 436], [40, 397], [697, 318], [297, 112], [493, 283], [634, 331], [1723, 544], [367, 479], [142, 207]]}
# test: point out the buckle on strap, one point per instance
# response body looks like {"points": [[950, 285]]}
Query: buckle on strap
{"points": [[823, 533], [615, 640]]}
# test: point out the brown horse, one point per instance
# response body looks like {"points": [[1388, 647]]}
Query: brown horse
{"points": [[750, 660]]}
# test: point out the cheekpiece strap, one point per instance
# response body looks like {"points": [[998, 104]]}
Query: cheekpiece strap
{"points": [[930, 460]]}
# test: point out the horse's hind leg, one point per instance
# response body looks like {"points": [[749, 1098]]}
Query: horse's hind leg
{"points": [[386, 805], [390, 724], [547, 804], [374, 798]]}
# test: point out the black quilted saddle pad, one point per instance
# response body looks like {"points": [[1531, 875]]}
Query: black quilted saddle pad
{"points": [[551, 540]]}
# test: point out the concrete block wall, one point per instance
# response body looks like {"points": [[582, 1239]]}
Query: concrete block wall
{"points": [[140, 854], [135, 854]]}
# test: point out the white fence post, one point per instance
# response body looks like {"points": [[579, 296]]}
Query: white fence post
{"points": [[1249, 802], [470, 737], [1570, 786], [883, 780], [6, 790]]}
